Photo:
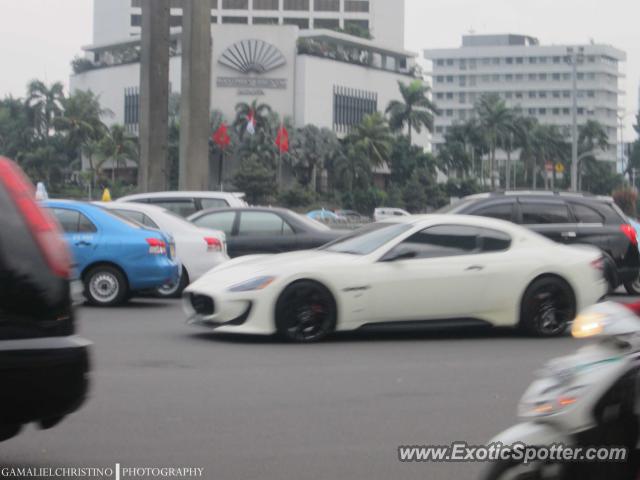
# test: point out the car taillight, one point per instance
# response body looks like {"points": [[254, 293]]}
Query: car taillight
{"points": [[43, 227], [213, 244], [156, 246], [630, 232]]}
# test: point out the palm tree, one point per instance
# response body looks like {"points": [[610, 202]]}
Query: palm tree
{"points": [[312, 150], [46, 104], [119, 147], [372, 138], [82, 121], [592, 137], [261, 112], [496, 121], [543, 143], [414, 111]]}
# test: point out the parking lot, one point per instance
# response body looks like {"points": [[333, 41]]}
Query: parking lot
{"points": [[164, 394]]}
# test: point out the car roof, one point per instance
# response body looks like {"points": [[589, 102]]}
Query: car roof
{"points": [[184, 194], [285, 211], [140, 207], [546, 194], [470, 220]]}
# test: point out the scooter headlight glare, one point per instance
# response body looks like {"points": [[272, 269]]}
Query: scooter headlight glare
{"points": [[588, 325]]}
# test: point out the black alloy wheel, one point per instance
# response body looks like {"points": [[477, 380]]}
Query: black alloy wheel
{"points": [[305, 312], [547, 307]]}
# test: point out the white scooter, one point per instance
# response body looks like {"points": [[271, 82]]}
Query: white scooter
{"points": [[588, 399]]}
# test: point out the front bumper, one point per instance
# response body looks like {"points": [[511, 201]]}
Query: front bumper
{"points": [[42, 379]]}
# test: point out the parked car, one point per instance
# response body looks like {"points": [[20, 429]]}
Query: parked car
{"points": [[198, 250], [352, 216], [570, 219], [447, 268], [188, 203], [324, 216], [383, 213], [114, 257], [45, 367], [255, 230]]}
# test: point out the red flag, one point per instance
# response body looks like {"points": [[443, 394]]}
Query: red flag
{"points": [[221, 136], [282, 140]]}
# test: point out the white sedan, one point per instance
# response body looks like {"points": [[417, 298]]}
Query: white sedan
{"points": [[197, 249], [429, 269]]}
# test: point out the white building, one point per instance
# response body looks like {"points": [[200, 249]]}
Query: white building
{"points": [[532, 77], [115, 20]]}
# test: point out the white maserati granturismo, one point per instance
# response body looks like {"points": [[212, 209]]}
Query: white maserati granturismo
{"points": [[430, 269]]}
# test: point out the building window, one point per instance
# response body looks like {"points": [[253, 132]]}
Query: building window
{"points": [[356, 6], [266, 4], [239, 20], [131, 108], [265, 21], [235, 5], [297, 5], [449, 95], [136, 20], [329, 23], [358, 24], [301, 23], [326, 5], [175, 20], [542, 111], [350, 106], [440, 62]]}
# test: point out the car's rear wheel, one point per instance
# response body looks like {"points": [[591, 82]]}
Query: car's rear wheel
{"points": [[548, 306], [175, 290], [305, 312], [633, 287], [105, 286]]}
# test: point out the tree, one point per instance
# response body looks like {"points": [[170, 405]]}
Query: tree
{"points": [[256, 180], [81, 122], [261, 113], [544, 143], [16, 132], [405, 159], [372, 138], [414, 111], [312, 150], [592, 138], [118, 147], [496, 121], [46, 104]]}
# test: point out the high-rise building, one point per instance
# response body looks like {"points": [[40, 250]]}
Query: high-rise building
{"points": [[115, 20], [535, 78]]}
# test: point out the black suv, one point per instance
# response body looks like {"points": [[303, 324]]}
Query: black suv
{"points": [[571, 219], [43, 366]]}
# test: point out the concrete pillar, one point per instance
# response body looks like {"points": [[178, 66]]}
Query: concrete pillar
{"points": [[154, 95], [195, 95]]}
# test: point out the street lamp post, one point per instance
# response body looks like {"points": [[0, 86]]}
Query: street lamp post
{"points": [[573, 58]]}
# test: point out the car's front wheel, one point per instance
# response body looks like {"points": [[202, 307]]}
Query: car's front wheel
{"points": [[105, 286], [175, 290], [305, 312], [548, 306]]}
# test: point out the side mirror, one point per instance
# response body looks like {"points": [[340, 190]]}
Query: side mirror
{"points": [[402, 253]]}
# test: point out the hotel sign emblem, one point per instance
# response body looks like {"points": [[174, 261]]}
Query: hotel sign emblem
{"points": [[252, 58]]}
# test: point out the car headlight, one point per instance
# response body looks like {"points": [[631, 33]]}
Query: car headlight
{"points": [[257, 283]]}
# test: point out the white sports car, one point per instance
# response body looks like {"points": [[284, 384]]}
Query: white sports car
{"points": [[407, 269]]}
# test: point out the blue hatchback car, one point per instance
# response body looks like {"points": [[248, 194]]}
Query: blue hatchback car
{"points": [[114, 257]]}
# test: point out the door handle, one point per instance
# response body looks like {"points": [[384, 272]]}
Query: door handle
{"points": [[83, 243], [475, 268], [569, 234]]}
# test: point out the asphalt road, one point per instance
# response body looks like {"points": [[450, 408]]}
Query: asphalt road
{"points": [[165, 394]]}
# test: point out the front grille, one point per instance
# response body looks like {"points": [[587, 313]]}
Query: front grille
{"points": [[202, 304]]}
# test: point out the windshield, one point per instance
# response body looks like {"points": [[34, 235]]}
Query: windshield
{"points": [[123, 218], [312, 223], [367, 239]]}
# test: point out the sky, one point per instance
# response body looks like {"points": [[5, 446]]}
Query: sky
{"points": [[39, 38]]}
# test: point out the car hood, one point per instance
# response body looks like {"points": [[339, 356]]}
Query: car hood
{"points": [[284, 264]]}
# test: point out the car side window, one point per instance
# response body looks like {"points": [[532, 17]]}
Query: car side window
{"points": [[443, 241], [146, 221], [263, 223], [73, 221], [541, 213], [586, 214], [217, 221], [494, 241], [182, 206], [501, 211], [208, 203]]}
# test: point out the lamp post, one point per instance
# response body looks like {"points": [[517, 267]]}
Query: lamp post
{"points": [[574, 58]]}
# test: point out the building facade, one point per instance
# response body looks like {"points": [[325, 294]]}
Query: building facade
{"points": [[537, 79], [115, 20]]}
